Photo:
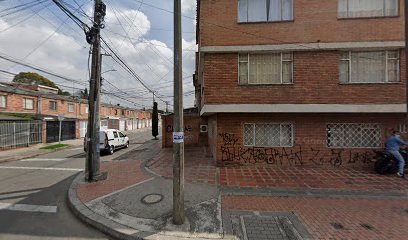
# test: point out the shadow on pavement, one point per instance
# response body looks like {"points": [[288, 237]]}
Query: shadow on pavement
{"points": [[62, 224]]}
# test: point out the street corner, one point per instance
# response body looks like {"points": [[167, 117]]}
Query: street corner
{"points": [[120, 175], [198, 167], [302, 217]]}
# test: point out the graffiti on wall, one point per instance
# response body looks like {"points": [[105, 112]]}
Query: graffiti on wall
{"points": [[187, 128], [231, 153]]}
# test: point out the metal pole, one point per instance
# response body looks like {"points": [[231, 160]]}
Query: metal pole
{"points": [[178, 134], [92, 159], [59, 134]]}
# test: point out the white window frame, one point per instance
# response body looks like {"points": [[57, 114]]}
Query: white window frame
{"points": [[387, 58], [86, 109], [353, 147], [374, 16], [271, 123], [281, 68], [267, 21], [56, 106], [25, 103], [3, 101], [73, 107]]}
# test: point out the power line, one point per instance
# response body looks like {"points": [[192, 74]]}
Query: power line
{"points": [[19, 62]]}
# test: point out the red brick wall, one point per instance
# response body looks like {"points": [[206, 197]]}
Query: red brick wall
{"points": [[15, 103], [191, 130], [310, 145], [316, 80], [62, 108], [313, 20]]}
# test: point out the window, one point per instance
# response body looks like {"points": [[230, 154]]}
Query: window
{"points": [[123, 112], [121, 134], [367, 8], [71, 108], [28, 103], [115, 134], [86, 109], [53, 105], [3, 101], [353, 135], [268, 135], [265, 10], [272, 68], [369, 67]]}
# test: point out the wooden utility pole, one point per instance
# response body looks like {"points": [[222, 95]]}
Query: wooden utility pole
{"points": [[178, 130], [92, 158]]}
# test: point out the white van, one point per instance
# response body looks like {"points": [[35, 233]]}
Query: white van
{"points": [[110, 140]]}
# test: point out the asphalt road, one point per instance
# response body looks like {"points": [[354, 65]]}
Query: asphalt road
{"points": [[33, 194]]}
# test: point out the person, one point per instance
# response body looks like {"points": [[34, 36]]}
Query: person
{"points": [[392, 145]]}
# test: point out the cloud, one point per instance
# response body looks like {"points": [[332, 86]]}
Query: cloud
{"points": [[65, 51], [188, 5]]}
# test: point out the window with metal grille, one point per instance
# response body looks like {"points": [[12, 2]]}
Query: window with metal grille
{"points": [[369, 67], [53, 105], [367, 8], [353, 135], [271, 68], [268, 134]]}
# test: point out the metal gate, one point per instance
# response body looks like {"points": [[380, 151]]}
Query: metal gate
{"points": [[20, 133], [67, 131], [122, 125], [83, 125]]}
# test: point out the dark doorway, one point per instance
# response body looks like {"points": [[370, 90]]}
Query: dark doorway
{"points": [[67, 131]]}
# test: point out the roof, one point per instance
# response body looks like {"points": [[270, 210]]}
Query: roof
{"points": [[17, 89], [5, 117]]}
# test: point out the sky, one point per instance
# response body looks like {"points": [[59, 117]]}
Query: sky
{"points": [[39, 34]]}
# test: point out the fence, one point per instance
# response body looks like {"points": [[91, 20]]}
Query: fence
{"points": [[19, 133]]}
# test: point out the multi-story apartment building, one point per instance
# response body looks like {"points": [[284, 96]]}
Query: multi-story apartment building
{"points": [[300, 81], [42, 103]]}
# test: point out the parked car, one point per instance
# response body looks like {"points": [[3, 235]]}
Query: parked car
{"points": [[110, 140]]}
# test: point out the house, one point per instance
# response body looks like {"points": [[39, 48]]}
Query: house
{"points": [[300, 82], [32, 114]]}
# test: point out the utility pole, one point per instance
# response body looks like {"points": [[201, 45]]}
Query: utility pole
{"points": [[178, 130], [92, 158]]}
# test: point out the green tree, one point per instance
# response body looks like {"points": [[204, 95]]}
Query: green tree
{"points": [[36, 79], [155, 121]]}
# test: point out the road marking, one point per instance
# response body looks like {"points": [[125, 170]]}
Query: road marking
{"points": [[42, 168], [43, 159], [28, 208]]}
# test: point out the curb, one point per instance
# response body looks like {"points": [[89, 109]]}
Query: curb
{"points": [[86, 215], [46, 151], [117, 230]]}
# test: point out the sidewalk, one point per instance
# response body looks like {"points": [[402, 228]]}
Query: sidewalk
{"points": [[135, 202], [34, 151]]}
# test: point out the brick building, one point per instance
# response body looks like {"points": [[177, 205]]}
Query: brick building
{"points": [[300, 81], [41, 103]]}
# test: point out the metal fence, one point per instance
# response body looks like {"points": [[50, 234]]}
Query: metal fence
{"points": [[20, 133]]}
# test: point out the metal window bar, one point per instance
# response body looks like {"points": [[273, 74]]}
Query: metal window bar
{"points": [[353, 135], [15, 134]]}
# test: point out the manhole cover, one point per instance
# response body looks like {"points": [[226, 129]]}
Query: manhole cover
{"points": [[337, 226], [152, 198], [367, 226]]}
